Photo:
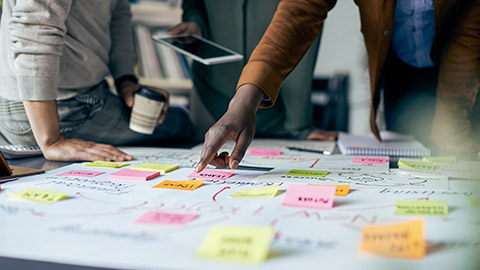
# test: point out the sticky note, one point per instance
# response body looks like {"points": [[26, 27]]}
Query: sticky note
{"points": [[309, 196], [401, 240], [450, 160], [38, 195], [212, 174], [183, 185], [80, 173], [108, 164], [474, 201], [237, 244], [422, 207], [369, 160], [264, 152], [133, 175], [307, 173], [263, 192], [416, 165], [166, 218], [155, 167], [340, 190]]}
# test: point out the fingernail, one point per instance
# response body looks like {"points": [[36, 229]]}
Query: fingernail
{"points": [[234, 164]]}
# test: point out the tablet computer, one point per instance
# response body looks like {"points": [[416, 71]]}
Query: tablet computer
{"points": [[200, 49]]}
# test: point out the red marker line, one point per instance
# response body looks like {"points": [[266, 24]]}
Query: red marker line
{"points": [[315, 163], [214, 196]]}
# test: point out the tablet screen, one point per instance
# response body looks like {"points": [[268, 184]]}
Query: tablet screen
{"points": [[197, 47]]}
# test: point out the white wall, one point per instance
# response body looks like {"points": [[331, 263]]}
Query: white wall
{"points": [[342, 49]]}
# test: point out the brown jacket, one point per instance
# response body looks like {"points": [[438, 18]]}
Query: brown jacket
{"points": [[455, 49]]}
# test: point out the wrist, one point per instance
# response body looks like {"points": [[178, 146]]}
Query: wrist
{"points": [[248, 96]]}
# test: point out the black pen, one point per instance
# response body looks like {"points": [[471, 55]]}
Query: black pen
{"points": [[309, 150]]}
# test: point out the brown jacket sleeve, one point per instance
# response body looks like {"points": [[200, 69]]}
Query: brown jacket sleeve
{"points": [[459, 78], [293, 29]]}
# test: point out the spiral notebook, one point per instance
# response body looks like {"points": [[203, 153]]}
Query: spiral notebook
{"points": [[392, 144]]}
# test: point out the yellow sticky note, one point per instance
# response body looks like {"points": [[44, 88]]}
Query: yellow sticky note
{"points": [[237, 244], [307, 173], [38, 195], [183, 185], [416, 165], [422, 207], [342, 190], [451, 160], [474, 201], [156, 167], [100, 163], [263, 192], [401, 240]]}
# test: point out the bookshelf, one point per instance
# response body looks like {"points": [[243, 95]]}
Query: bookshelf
{"points": [[159, 65]]}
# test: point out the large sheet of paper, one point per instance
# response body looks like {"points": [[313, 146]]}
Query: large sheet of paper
{"points": [[462, 169], [97, 224]]}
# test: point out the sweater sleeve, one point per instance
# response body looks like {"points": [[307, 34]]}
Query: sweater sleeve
{"points": [[122, 53], [293, 29], [37, 31], [195, 11], [459, 77]]}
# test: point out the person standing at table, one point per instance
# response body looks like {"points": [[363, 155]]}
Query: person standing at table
{"points": [[54, 58], [432, 47], [239, 25]]}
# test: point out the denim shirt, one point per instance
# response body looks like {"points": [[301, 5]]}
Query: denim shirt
{"points": [[413, 31]]}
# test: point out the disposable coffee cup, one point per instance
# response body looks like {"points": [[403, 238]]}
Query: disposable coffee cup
{"points": [[146, 109]]}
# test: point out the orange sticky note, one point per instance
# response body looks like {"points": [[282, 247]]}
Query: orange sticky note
{"points": [[401, 240], [183, 185], [342, 190]]}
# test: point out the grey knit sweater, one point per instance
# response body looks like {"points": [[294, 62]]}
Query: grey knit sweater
{"points": [[54, 49]]}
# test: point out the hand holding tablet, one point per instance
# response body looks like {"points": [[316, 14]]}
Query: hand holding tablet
{"points": [[200, 49]]}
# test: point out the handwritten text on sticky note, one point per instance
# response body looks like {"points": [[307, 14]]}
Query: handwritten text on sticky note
{"points": [[237, 244], [165, 218], [183, 185], [40, 196], [263, 192], [264, 152], [309, 196], [307, 173], [369, 160], [212, 174], [80, 173], [451, 160], [108, 164], [156, 167], [341, 190], [416, 165], [402, 240], [422, 207]]}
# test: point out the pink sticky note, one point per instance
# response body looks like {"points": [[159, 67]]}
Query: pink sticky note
{"points": [[80, 173], [134, 175], [211, 174], [369, 160], [309, 196], [154, 217], [264, 152]]}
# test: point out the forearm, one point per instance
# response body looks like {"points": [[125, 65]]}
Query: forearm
{"points": [[195, 11], [43, 118]]}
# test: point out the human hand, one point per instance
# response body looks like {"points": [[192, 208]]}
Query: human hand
{"points": [[80, 150], [318, 134], [186, 28], [237, 124]]}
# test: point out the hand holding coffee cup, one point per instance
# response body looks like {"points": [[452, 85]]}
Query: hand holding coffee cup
{"points": [[149, 109]]}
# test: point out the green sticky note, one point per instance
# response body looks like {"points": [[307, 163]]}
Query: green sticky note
{"points": [[307, 173], [416, 165], [451, 160], [474, 201], [422, 208], [156, 167], [38, 195], [109, 164], [263, 192], [243, 244]]}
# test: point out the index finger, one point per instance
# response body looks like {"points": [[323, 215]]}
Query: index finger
{"points": [[210, 149]]}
